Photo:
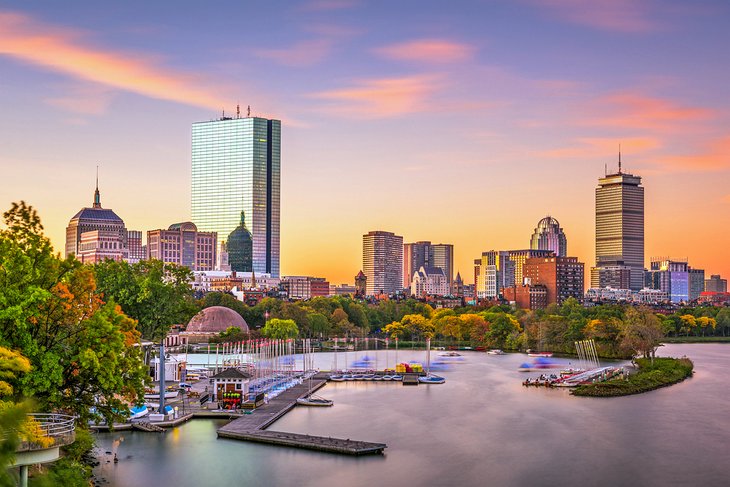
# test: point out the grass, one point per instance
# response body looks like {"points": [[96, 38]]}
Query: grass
{"points": [[663, 372], [695, 339]]}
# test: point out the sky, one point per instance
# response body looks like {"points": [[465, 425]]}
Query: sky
{"points": [[459, 122]]}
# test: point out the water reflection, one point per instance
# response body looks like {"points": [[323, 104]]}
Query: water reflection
{"points": [[480, 428]]}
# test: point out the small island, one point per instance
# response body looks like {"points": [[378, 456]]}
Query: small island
{"points": [[652, 374]]}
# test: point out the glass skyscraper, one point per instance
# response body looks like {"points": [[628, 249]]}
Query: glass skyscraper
{"points": [[236, 166]]}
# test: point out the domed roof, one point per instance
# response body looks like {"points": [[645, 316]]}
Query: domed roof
{"points": [[240, 248], [216, 319], [548, 222]]}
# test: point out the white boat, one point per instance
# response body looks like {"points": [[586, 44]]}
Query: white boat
{"points": [[449, 354], [138, 412], [387, 377], [396, 377], [431, 379], [156, 395], [540, 354], [337, 378], [495, 351], [313, 400]]}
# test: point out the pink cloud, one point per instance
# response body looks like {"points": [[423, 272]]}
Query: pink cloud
{"points": [[64, 51], [636, 111], [305, 53], [715, 156], [632, 16], [428, 51], [382, 98], [589, 148]]}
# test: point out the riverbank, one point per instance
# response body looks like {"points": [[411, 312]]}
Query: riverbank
{"points": [[661, 373], [694, 339]]}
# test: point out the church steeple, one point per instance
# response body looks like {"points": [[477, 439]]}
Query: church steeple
{"points": [[97, 196]]}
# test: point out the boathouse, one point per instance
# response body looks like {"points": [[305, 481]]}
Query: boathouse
{"points": [[230, 386]]}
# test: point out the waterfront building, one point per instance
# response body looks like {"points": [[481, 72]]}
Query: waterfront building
{"points": [[549, 236], [227, 383], [425, 254], [716, 284], [342, 290], [305, 287], [205, 281], [236, 166], [429, 281], [493, 272], [183, 244], [561, 276], [382, 262], [520, 256], [696, 283], [671, 277], [135, 250], [92, 219], [239, 247], [100, 245], [619, 227], [527, 296]]}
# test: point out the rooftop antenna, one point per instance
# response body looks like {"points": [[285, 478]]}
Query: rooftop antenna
{"points": [[619, 158], [224, 113], [238, 110], [248, 111], [97, 197]]}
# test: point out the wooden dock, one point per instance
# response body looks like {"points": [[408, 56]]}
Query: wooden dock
{"points": [[252, 427]]}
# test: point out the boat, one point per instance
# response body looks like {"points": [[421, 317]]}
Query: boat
{"points": [[387, 377], [136, 412], [313, 400], [377, 377], [368, 376], [396, 377], [348, 377], [337, 378], [495, 351], [168, 395], [540, 354], [431, 379], [449, 354], [358, 377]]}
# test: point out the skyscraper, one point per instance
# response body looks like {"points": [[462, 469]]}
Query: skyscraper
{"points": [[549, 236], [239, 247], [492, 273], [183, 244], [619, 227], [382, 262], [93, 219], [236, 166]]}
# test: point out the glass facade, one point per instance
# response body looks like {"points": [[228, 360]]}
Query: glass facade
{"points": [[236, 166]]}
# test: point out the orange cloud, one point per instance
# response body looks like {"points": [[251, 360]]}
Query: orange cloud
{"points": [[636, 111], [715, 157], [62, 50], [428, 51], [611, 15], [376, 98], [305, 53], [726, 198]]}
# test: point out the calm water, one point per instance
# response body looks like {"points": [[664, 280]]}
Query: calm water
{"points": [[480, 428]]}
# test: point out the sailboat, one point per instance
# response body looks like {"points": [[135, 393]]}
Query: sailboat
{"points": [[336, 376], [430, 378], [311, 399]]}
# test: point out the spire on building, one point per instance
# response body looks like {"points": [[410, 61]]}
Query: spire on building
{"points": [[619, 158], [97, 196], [253, 278]]}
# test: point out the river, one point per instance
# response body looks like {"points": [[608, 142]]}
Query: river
{"points": [[481, 427]]}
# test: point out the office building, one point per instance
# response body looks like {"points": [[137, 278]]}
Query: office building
{"points": [[305, 287], [549, 236], [425, 254], [382, 262], [93, 219], [493, 272], [239, 248], [520, 256], [100, 245], [236, 167], [183, 244], [135, 250], [527, 296], [670, 276], [619, 227], [696, 283], [716, 284], [561, 276]]}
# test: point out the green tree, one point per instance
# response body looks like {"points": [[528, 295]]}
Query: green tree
{"points": [[642, 332], [280, 329], [318, 324], [156, 294]]}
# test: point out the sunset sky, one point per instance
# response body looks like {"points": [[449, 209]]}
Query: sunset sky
{"points": [[456, 122]]}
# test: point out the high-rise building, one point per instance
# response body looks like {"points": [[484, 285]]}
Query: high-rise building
{"points": [[562, 276], [620, 226], [493, 272], [236, 166], [425, 254], [91, 219], [135, 250], [716, 284], [183, 244], [100, 245], [696, 283], [382, 262], [671, 277], [549, 236], [520, 256]]}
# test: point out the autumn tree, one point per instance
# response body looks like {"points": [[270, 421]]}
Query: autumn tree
{"points": [[641, 332]]}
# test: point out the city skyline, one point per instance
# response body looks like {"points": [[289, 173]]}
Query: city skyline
{"points": [[454, 101]]}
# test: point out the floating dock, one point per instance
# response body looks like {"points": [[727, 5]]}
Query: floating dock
{"points": [[252, 427]]}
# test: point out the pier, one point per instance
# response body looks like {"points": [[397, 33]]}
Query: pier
{"points": [[252, 427]]}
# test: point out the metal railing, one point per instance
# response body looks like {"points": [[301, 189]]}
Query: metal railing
{"points": [[60, 427]]}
